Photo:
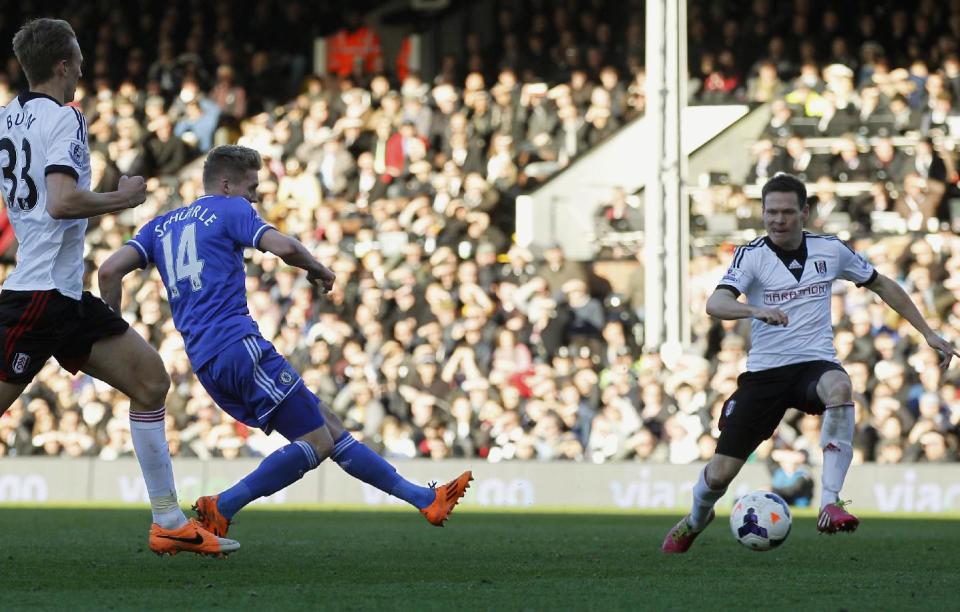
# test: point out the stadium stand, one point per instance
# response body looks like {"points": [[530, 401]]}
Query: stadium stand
{"points": [[444, 338]]}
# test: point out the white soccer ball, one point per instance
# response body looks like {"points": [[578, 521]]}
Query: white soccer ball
{"points": [[760, 520]]}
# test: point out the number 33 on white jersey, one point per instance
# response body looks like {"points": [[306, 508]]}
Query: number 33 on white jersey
{"points": [[39, 136]]}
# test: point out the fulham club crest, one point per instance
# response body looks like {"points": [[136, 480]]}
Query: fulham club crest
{"points": [[821, 267], [21, 361]]}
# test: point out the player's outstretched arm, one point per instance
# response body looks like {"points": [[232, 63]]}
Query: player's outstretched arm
{"points": [[111, 273], [293, 253], [723, 304], [896, 298], [65, 201]]}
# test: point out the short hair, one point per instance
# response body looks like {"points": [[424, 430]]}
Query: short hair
{"points": [[40, 44], [229, 161], [784, 183]]}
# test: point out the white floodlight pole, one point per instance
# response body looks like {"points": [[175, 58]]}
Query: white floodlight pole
{"points": [[666, 228]]}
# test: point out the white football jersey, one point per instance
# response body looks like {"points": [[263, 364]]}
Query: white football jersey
{"points": [[798, 283], [39, 136]]}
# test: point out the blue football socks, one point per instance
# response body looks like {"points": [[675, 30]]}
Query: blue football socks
{"points": [[363, 464], [282, 468]]}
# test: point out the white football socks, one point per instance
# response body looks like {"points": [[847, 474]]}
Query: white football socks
{"points": [[836, 439], [150, 444], [704, 499]]}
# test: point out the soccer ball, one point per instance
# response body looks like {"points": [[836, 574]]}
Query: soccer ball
{"points": [[760, 520]]}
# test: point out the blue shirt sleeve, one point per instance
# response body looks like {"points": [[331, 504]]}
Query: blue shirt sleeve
{"points": [[143, 243], [244, 226]]}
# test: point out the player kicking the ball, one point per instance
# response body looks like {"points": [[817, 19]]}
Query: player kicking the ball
{"points": [[198, 250], [44, 311], [787, 278]]}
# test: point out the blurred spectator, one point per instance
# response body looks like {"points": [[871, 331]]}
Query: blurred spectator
{"points": [[766, 164], [917, 204], [791, 478], [848, 164], [780, 125], [766, 85], [198, 123], [164, 152], [229, 96], [887, 163], [556, 269], [800, 161], [824, 203], [719, 78], [354, 49], [619, 215]]}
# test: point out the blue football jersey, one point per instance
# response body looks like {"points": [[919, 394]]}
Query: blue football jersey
{"points": [[198, 250]]}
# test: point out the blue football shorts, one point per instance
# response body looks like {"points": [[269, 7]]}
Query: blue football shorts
{"points": [[254, 384]]}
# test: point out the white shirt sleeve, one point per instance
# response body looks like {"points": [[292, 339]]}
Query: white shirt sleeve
{"points": [[853, 266], [739, 275], [66, 145]]}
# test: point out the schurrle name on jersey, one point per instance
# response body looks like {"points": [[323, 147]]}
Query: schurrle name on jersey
{"points": [[19, 119], [781, 296], [194, 212]]}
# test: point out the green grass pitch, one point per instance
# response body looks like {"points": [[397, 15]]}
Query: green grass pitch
{"points": [[88, 558]]}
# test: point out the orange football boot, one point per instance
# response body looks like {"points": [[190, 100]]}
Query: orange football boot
{"points": [[209, 516], [446, 498], [191, 537]]}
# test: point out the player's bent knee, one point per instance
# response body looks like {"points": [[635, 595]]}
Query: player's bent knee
{"points": [[715, 478], [721, 471], [717, 483], [721, 480], [841, 393], [155, 386], [321, 441], [148, 378], [834, 388], [150, 388], [333, 422], [845, 390]]}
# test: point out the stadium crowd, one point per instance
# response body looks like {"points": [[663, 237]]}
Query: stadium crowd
{"points": [[444, 338]]}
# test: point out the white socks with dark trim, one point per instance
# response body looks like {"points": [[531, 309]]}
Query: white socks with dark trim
{"points": [[704, 499], [836, 440], [150, 444]]}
